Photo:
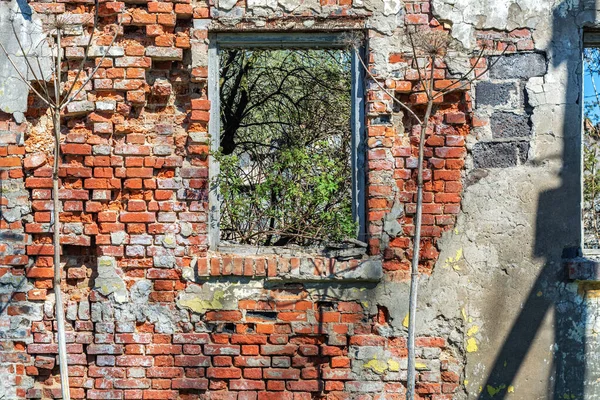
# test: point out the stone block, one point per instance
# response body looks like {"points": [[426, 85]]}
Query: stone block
{"points": [[164, 261], [110, 51], [106, 105], [164, 53], [510, 125], [518, 66], [101, 150], [364, 386], [162, 150], [79, 107], [84, 310], [226, 4], [496, 94], [500, 154], [108, 281]]}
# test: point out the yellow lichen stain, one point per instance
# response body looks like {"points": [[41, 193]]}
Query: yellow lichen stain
{"points": [[591, 293], [405, 321], [480, 389], [473, 330], [464, 314], [199, 305], [380, 366], [421, 366], [456, 231], [105, 262], [377, 366], [492, 391], [465, 382], [471, 345], [365, 304], [539, 294], [453, 261], [511, 389]]}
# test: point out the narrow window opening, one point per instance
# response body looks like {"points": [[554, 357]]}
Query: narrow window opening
{"points": [[591, 150]]}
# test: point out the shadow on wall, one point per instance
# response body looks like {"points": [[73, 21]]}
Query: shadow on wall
{"points": [[556, 236]]}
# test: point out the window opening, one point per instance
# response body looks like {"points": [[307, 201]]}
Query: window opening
{"points": [[591, 150], [285, 166]]}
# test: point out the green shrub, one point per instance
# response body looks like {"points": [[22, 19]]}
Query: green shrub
{"points": [[285, 157]]}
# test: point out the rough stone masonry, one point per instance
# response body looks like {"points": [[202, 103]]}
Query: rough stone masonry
{"points": [[153, 313]]}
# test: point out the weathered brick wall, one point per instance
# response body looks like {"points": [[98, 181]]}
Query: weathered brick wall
{"points": [[152, 313]]}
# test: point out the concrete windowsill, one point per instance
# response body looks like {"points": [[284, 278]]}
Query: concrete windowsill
{"points": [[290, 265]]}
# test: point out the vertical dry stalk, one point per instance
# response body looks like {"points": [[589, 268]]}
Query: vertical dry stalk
{"points": [[433, 45], [60, 312]]}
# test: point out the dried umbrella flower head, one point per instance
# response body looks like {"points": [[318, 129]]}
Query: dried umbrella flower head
{"points": [[59, 23], [431, 43], [352, 40]]}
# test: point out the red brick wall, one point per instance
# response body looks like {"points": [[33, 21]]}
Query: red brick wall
{"points": [[142, 168]]}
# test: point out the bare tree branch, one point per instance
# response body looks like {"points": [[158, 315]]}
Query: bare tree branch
{"points": [[90, 76], [476, 77], [447, 89], [401, 104], [86, 54], [415, 58]]}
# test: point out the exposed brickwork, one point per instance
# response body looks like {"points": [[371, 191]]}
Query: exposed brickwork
{"points": [[299, 347], [135, 187]]}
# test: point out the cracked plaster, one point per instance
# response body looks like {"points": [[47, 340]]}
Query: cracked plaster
{"points": [[28, 26], [466, 16]]}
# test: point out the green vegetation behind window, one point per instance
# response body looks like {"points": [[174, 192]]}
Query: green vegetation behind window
{"points": [[285, 156]]}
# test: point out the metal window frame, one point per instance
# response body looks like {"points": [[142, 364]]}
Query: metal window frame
{"points": [[332, 40]]}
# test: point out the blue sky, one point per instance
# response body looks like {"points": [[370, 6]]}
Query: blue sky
{"points": [[588, 93]]}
